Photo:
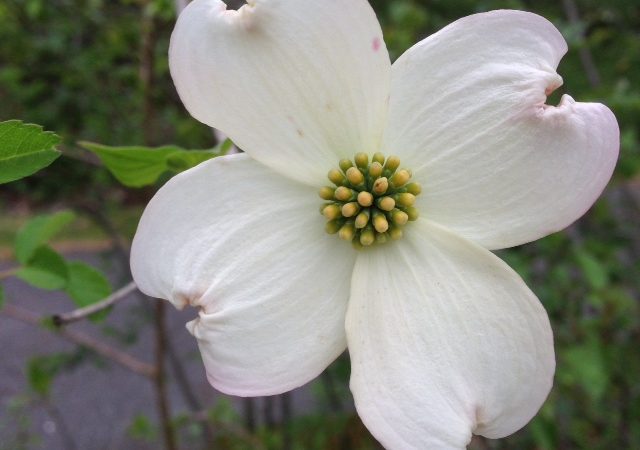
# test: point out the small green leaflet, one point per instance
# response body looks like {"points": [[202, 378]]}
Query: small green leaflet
{"points": [[594, 271], [25, 149], [142, 428], [86, 285], [585, 364], [46, 269], [138, 166], [37, 232], [42, 370]]}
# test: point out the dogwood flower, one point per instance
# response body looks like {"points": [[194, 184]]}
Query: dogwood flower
{"points": [[445, 339]]}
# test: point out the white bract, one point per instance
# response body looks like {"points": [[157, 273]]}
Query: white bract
{"points": [[445, 339]]}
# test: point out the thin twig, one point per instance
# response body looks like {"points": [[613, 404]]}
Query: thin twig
{"points": [[335, 404], [185, 387], [103, 221], [160, 380], [287, 441], [8, 273], [81, 313], [84, 340], [249, 414], [268, 411], [586, 58]]}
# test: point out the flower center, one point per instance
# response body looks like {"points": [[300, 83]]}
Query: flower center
{"points": [[370, 201]]}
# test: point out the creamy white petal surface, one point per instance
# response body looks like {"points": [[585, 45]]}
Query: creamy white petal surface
{"points": [[468, 114], [445, 340], [247, 246], [297, 84]]}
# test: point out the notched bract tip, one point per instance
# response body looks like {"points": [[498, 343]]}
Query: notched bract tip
{"points": [[243, 16]]}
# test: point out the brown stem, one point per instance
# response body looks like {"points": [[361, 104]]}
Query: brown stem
{"points": [[330, 389], [268, 411], [185, 387], [81, 313], [95, 213], [84, 340], [160, 380], [147, 73], [287, 443], [249, 414]]}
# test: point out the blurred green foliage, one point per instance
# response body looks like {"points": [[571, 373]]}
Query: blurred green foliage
{"points": [[90, 69]]}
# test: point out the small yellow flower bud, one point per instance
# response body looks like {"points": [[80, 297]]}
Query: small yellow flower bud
{"points": [[386, 203], [345, 164], [365, 199], [375, 169], [367, 237], [414, 188], [395, 233], [332, 227], [412, 213], [400, 178], [336, 177], [380, 223], [350, 209], [347, 231], [326, 193], [362, 160], [405, 199], [344, 194], [399, 217], [355, 177], [331, 211], [393, 162], [362, 219], [378, 157], [380, 186]]}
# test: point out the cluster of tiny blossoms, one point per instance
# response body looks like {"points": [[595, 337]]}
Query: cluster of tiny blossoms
{"points": [[370, 201]]}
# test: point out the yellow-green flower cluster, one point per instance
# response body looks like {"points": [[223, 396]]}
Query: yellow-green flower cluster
{"points": [[370, 200]]}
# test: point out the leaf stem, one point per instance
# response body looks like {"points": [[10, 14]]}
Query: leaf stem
{"points": [[81, 313], [9, 273]]}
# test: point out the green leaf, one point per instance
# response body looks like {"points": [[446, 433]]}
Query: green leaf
{"points": [[86, 285], [142, 428], [585, 364], [41, 370], [46, 270], [25, 149], [38, 231], [133, 166], [40, 376], [138, 166], [183, 160], [594, 271]]}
